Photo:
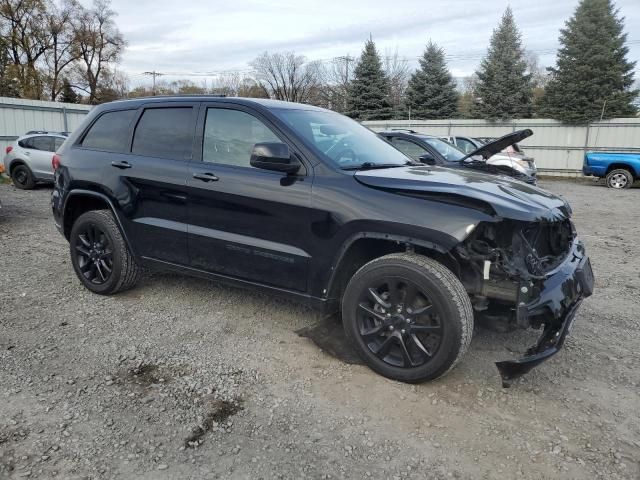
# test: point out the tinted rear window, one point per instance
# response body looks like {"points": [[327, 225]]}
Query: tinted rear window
{"points": [[165, 133], [110, 132]]}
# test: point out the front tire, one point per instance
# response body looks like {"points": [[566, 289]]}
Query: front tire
{"points": [[23, 177], [408, 317], [619, 178], [99, 254]]}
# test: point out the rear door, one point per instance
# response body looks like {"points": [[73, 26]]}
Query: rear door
{"points": [[146, 172], [245, 222], [39, 152]]}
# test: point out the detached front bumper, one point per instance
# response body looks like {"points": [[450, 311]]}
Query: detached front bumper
{"points": [[559, 298]]}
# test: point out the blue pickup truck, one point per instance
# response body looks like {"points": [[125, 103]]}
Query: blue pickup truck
{"points": [[619, 169]]}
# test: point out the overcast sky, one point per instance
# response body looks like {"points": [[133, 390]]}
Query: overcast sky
{"points": [[203, 36]]}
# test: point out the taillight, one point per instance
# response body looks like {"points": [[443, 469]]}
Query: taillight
{"points": [[55, 161], [8, 149]]}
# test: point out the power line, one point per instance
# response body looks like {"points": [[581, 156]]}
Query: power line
{"points": [[154, 74], [346, 58]]}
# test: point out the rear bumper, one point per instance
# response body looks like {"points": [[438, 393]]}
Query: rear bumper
{"points": [[560, 297]]}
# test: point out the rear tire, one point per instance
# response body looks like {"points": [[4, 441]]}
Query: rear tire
{"points": [[23, 177], [408, 317], [99, 254], [619, 179]]}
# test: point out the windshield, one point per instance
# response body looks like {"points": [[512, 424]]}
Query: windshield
{"points": [[342, 140], [447, 150]]}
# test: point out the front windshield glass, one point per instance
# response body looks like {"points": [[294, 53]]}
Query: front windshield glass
{"points": [[447, 150], [342, 140]]}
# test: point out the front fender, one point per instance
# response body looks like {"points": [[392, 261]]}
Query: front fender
{"points": [[432, 240]]}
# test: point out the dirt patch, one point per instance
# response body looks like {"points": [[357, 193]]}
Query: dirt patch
{"points": [[219, 411]]}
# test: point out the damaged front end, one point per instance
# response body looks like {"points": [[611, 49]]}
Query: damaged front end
{"points": [[526, 274]]}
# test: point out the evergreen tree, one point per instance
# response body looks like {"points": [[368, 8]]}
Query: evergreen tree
{"points": [[504, 89], [68, 94], [368, 93], [591, 68], [431, 93]]}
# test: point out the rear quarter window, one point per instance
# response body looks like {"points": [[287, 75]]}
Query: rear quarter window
{"points": [[110, 132]]}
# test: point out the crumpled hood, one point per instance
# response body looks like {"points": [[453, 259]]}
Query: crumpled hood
{"points": [[508, 198]]}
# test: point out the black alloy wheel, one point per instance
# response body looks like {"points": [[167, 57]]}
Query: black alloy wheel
{"points": [[399, 323], [100, 255], [94, 254], [407, 316]]}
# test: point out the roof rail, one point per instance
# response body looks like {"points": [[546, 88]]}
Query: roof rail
{"points": [[403, 130], [45, 132]]}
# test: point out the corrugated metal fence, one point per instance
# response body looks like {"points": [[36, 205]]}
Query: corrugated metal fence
{"points": [[558, 149], [18, 116]]}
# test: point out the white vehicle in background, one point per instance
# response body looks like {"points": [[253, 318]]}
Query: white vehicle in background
{"points": [[511, 157], [28, 159]]}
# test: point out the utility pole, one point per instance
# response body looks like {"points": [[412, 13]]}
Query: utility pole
{"points": [[347, 59], [154, 74]]}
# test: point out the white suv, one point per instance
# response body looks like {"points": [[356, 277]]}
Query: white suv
{"points": [[28, 159]]}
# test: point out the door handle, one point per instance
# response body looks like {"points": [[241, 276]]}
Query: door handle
{"points": [[206, 177], [121, 165], [27, 153]]}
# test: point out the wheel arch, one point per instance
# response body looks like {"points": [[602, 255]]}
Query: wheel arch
{"points": [[621, 166], [363, 247], [81, 201], [14, 163]]}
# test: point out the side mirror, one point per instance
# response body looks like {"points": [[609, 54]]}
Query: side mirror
{"points": [[427, 158], [274, 156]]}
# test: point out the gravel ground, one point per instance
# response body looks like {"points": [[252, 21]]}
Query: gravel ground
{"points": [[184, 378]]}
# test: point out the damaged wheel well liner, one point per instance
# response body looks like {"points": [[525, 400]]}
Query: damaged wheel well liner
{"points": [[365, 247]]}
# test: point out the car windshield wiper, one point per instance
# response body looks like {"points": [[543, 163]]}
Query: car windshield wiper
{"points": [[372, 166]]}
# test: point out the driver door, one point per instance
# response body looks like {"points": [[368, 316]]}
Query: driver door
{"points": [[246, 222]]}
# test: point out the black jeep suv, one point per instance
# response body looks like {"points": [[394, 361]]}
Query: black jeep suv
{"points": [[303, 202]]}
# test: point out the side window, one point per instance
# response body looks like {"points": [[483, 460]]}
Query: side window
{"points": [[465, 145], [229, 136], [43, 143], [408, 148], [58, 143], [165, 133], [110, 132], [26, 143]]}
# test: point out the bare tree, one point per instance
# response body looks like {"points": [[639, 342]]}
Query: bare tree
{"points": [[335, 76], [466, 99], [99, 44], [398, 73], [24, 25], [251, 88], [62, 51], [227, 84], [286, 76], [539, 74]]}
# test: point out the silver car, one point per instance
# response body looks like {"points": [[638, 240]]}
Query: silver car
{"points": [[28, 159], [511, 156]]}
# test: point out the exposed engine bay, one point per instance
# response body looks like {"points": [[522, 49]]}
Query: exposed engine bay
{"points": [[525, 274]]}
